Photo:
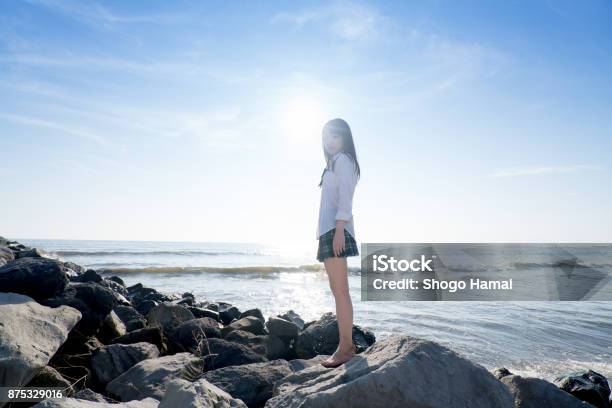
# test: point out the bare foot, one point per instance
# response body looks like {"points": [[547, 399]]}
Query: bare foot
{"points": [[339, 357]]}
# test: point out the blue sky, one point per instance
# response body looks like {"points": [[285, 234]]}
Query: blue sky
{"points": [[200, 121]]}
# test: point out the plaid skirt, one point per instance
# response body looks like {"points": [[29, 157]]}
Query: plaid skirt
{"points": [[326, 245]]}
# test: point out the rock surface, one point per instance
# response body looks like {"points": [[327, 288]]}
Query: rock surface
{"points": [[82, 403], [39, 278], [29, 337], [149, 377], [198, 394], [109, 362], [537, 393], [591, 387], [321, 337], [401, 372], [252, 383]]}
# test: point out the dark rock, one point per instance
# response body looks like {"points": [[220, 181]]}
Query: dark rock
{"points": [[39, 278], [499, 373], [281, 327], [118, 280], [538, 393], [145, 306], [321, 337], [94, 301], [130, 317], [50, 377], [251, 383], [200, 312], [109, 362], [168, 316], [28, 253], [88, 276], [591, 387], [227, 312], [270, 346], [294, 318], [190, 335], [222, 353], [153, 335], [253, 312], [250, 324], [73, 269]]}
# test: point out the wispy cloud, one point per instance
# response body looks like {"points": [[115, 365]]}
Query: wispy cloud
{"points": [[96, 14], [77, 131], [542, 170], [346, 19]]}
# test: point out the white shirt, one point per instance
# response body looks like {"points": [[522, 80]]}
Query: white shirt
{"points": [[337, 193]]}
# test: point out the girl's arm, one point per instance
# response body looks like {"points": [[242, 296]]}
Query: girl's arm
{"points": [[347, 180]]}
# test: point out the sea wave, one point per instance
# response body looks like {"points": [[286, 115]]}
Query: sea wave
{"points": [[220, 269], [155, 252]]}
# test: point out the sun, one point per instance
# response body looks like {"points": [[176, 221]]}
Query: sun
{"points": [[303, 117]]}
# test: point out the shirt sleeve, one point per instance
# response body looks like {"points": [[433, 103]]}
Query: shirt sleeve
{"points": [[347, 180]]}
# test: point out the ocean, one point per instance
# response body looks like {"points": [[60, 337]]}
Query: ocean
{"points": [[540, 339]]}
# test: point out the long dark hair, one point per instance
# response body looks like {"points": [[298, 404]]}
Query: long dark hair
{"points": [[339, 126]]}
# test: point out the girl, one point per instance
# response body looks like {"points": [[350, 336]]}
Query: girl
{"points": [[335, 230]]}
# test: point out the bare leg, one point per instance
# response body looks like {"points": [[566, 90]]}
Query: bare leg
{"points": [[337, 273]]}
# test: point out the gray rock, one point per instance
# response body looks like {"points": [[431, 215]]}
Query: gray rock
{"points": [[321, 337], [198, 394], [6, 255], [39, 278], [252, 383], [149, 377], [130, 317], [30, 335], [590, 386], [282, 327], [168, 316], [537, 393], [219, 353], [28, 253], [109, 362], [256, 312], [267, 345], [83, 403], [298, 364], [398, 372], [112, 327], [90, 395], [199, 312], [249, 323]]}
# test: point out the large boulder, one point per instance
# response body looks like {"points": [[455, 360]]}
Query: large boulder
{"points": [[94, 301], [190, 335], [537, 393], [168, 316], [321, 337], [398, 372], [252, 383], [149, 377], [219, 353], [39, 278], [50, 377], [198, 394], [6, 255], [282, 327], [267, 345], [83, 403], [29, 337], [109, 362], [591, 387]]}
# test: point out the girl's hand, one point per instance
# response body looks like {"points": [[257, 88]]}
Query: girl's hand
{"points": [[338, 243]]}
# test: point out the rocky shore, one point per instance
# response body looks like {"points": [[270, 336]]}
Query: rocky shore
{"points": [[108, 345]]}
